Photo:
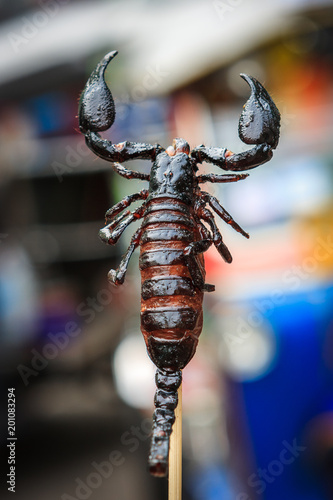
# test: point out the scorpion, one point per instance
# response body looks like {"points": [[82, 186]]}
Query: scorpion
{"points": [[178, 226]]}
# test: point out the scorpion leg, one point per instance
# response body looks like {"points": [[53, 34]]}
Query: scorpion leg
{"points": [[116, 277], [221, 177], [223, 250], [105, 233], [190, 253], [129, 174], [217, 207], [111, 232], [125, 202]]}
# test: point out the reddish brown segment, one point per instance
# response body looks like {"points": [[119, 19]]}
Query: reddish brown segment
{"points": [[171, 305]]}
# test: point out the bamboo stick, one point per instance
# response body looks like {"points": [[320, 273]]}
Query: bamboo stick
{"points": [[175, 454]]}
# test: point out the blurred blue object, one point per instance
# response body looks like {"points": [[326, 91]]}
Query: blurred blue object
{"points": [[51, 112], [18, 298], [280, 407], [210, 483]]}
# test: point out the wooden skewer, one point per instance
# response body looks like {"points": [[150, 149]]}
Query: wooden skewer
{"points": [[175, 454]]}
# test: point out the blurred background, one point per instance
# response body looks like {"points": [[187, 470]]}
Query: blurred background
{"points": [[258, 395]]}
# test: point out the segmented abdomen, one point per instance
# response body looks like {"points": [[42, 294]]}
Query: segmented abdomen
{"points": [[171, 305]]}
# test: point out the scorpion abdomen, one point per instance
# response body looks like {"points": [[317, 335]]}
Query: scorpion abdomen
{"points": [[171, 305]]}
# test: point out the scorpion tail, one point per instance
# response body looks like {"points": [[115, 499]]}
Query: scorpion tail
{"points": [[96, 106], [166, 400]]}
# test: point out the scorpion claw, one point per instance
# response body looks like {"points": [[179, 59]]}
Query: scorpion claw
{"points": [[114, 278], [208, 288], [96, 107], [260, 119]]}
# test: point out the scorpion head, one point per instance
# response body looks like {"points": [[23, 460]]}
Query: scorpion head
{"points": [[178, 146], [172, 173], [181, 146]]}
